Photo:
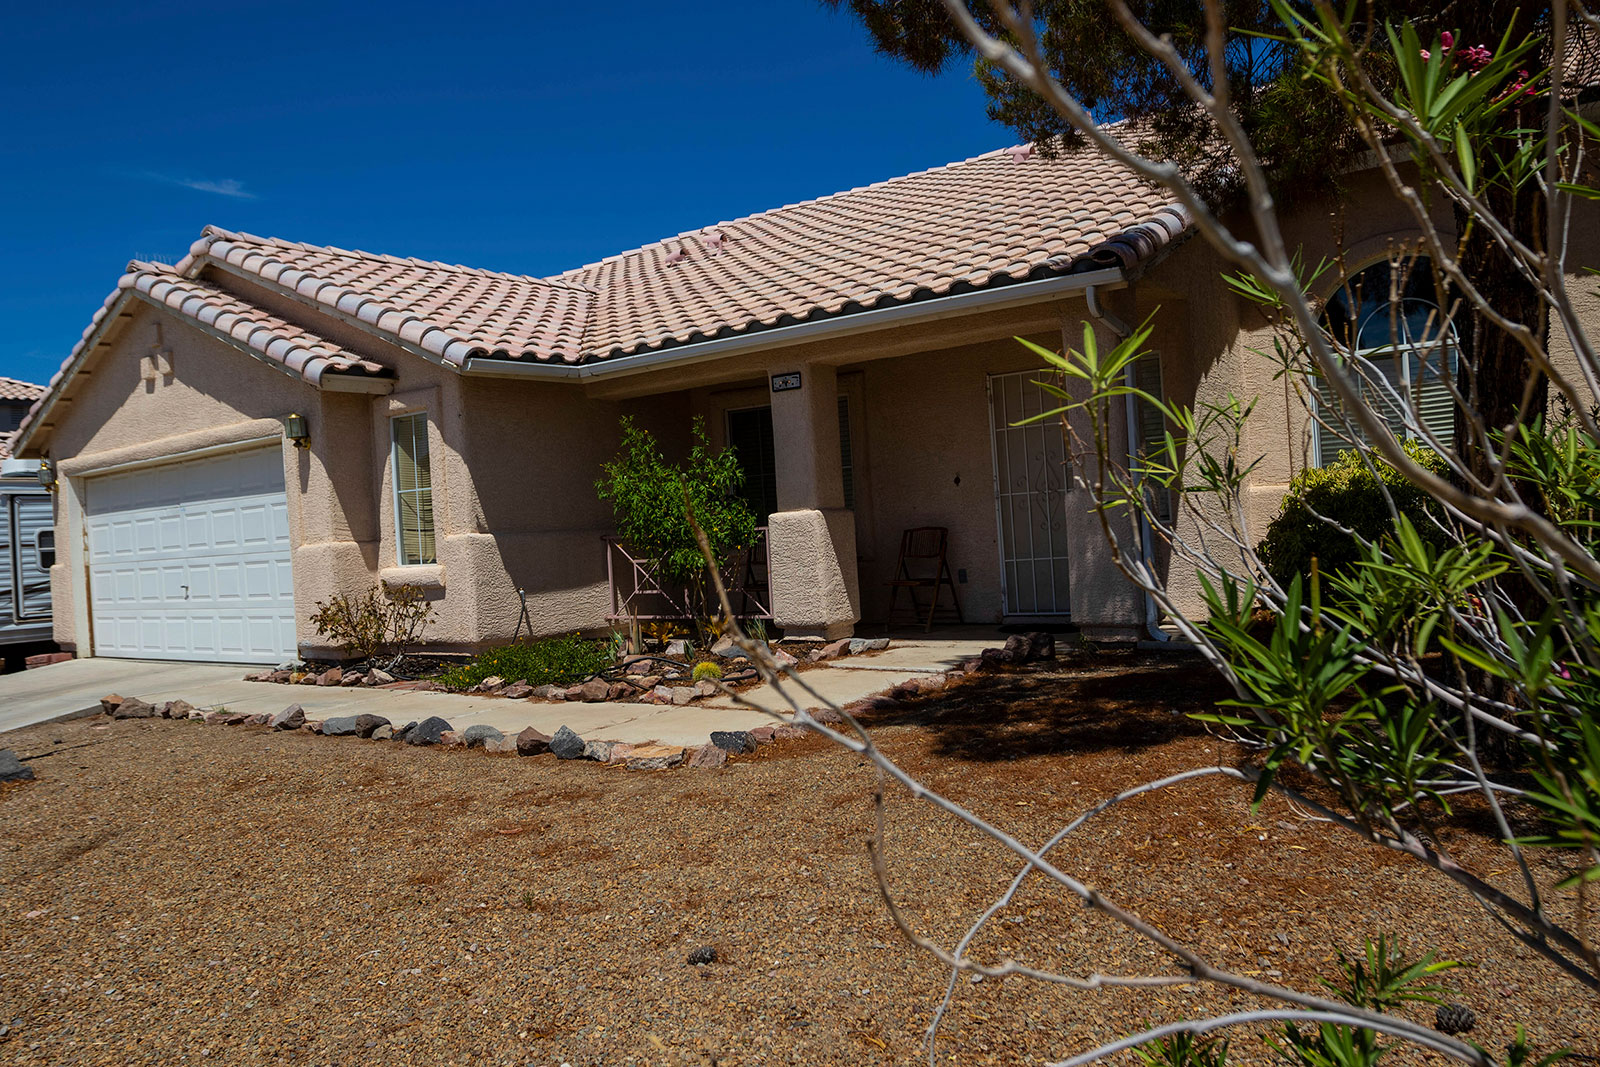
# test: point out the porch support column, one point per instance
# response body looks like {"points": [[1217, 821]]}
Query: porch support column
{"points": [[1106, 606], [811, 538]]}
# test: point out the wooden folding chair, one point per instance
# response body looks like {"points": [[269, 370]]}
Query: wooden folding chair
{"points": [[923, 566]]}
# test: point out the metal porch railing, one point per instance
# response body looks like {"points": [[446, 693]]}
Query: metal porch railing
{"points": [[637, 591]]}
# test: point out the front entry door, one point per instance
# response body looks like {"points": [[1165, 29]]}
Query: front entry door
{"points": [[1030, 493]]}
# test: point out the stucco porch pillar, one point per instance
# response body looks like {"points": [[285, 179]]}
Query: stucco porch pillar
{"points": [[811, 538]]}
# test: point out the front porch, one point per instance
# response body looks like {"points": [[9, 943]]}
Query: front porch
{"points": [[841, 460]]}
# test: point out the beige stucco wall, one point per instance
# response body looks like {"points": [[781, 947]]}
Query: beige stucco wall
{"points": [[513, 466]]}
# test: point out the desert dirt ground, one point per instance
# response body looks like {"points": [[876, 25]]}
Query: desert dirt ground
{"points": [[176, 893]]}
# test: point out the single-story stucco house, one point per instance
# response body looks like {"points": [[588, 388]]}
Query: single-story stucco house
{"points": [[267, 423]]}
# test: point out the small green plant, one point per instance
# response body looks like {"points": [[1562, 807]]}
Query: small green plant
{"points": [[382, 624], [553, 661], [1184, 1050], [529, 901], [1383, 979], [706, 671], [1347, 492], [756, 630]]}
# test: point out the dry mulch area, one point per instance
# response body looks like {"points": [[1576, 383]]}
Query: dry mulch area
{"points": [[175, 894]]}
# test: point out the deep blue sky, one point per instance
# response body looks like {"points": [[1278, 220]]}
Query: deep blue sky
{"points": [[526, 137]]}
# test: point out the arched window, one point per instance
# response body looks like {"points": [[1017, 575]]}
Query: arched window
{"points": [[1386, 323]]}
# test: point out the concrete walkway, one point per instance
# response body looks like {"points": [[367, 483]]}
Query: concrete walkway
{"points": [[75, 687]]}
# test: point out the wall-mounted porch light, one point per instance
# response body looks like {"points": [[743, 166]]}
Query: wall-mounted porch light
{"points": [[294, 428], [46, 474]]}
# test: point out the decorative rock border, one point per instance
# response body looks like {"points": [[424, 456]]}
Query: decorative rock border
{"points": [[565, 745], [640, 679], [1019, 650]]}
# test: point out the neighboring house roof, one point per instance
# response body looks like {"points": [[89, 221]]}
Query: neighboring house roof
{"points": [[15, 389], [1000, 218]]}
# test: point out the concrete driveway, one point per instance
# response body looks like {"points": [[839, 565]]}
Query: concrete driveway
{"points": [[63, 690]]}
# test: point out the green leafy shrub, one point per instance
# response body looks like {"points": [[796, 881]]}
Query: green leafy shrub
{"points": [[383, 622], [647, 494], [705, 671], [553, 661], [1346, 492]]}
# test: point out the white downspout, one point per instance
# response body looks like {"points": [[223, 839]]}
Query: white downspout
{"points": [[1121, 330]]}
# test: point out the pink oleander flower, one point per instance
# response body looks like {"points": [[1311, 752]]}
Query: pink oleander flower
{"points": [[1477, 57]]}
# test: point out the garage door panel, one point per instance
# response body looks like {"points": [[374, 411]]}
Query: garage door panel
{"points": [[192, 560], [169, 532]]}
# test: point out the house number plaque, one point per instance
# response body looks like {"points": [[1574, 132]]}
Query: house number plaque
{"points": [[784, 382]]}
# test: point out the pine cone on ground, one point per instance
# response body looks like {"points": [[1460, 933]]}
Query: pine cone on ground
{"points": [[1454, 1019]]}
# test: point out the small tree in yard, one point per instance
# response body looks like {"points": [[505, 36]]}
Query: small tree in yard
{"points": [[648, 495], [1472, 614]]}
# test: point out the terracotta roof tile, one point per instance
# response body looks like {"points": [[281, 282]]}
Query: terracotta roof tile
{"points": [[14, 389], [450, 312], [269, 336], [1004, 217]]}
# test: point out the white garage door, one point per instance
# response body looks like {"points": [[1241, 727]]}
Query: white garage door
{"points": [[190, 560]]}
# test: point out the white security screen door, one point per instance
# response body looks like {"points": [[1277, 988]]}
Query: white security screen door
{"points": [[1030, 492], [190, 561]]}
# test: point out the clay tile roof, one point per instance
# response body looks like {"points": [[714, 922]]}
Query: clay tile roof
{"points": [[1007, 216], [220, 312], [13, 389], [268, 336], [452, 312]]}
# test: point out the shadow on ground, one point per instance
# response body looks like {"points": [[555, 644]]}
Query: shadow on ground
{"points": [[1114, 702]]}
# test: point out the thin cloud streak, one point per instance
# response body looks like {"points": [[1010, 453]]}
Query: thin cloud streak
{"points": [[229, 187]]}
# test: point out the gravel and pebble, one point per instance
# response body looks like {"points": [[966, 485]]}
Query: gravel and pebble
{"points": [[172, 893]]}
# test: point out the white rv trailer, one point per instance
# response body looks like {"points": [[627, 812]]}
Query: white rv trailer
{"points": [[27, 550]]}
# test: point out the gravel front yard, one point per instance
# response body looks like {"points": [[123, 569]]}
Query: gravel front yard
{"points": [[173, 893]]}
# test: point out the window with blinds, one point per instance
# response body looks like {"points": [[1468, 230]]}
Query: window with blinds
{"points": [[413, 491], [1152, 428], [1400, 352]]}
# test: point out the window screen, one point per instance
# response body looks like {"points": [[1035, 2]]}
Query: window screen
{"points": [[413, 491]]}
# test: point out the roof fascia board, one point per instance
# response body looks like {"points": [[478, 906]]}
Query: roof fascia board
{"points": [[994, 299], [331, 382], [112, 318], [322, 309]]}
